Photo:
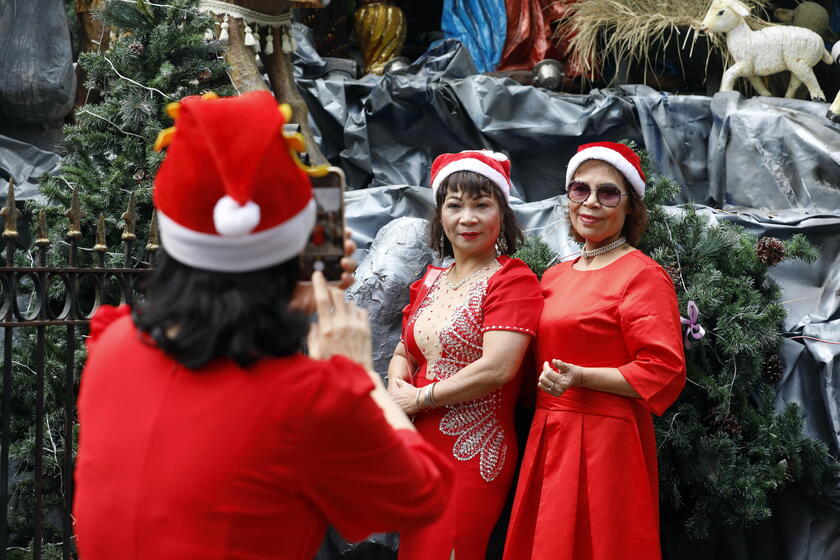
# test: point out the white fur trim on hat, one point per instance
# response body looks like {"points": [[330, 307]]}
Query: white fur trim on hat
{"points": [[612, 157], [243, 253], [233, 220], [476, 166], [498, 156]]}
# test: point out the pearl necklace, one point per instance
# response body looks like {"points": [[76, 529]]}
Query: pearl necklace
{"points": [[455, 285], [605, 249]]}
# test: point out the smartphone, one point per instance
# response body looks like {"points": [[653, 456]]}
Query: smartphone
{"points": [[325, 247]]}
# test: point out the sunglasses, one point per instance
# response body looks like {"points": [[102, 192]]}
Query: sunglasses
{"points": [[607, 195]]}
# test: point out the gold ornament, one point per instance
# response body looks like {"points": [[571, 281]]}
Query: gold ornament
{"points": [[380, 28]]}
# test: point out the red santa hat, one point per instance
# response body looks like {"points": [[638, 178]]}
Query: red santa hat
{"points": [[231, 194], [490, 164], [623, 158]]}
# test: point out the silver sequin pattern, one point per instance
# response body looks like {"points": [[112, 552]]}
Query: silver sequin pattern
{"points": [[475, 424]]}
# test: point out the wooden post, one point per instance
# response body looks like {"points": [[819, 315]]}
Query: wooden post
{"points": [[246, 76]]}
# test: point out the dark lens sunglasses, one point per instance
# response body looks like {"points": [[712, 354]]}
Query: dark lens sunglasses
{"points": [[607, 195]]}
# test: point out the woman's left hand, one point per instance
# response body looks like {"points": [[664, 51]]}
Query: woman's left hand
{"points": [[405, 395], [303, 299], [556, 381]]}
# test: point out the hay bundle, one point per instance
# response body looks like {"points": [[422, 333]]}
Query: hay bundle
{"points": [[630, 29]]}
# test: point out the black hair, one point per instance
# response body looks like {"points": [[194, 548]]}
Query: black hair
{"points": [[195, 316], [473, 185]]}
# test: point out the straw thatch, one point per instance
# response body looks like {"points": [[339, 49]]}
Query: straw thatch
{"points": [[638, 31]]}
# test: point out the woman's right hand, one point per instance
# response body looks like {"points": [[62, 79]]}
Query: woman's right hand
{"points": [[342, 328]]}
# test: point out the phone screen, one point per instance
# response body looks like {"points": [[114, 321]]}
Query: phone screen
{"points": [[325, 247]]}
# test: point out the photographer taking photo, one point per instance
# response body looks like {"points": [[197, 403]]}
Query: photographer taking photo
{"points": [[205, 433]]}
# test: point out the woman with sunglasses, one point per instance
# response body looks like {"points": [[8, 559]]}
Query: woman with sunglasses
{"points": [[611, 353], [465, 332]]}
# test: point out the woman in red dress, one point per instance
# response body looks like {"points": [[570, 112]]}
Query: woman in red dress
{"points": [[611, 352], [465, 332], [205, 433]]}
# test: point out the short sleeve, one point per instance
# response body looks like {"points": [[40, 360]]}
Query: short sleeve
{"points": [[102, 319], [363, 475], [650, 324], [514, 301]]}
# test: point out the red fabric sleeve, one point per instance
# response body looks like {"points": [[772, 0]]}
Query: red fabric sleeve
{"points": [[650, 323], [514, 301], [413, 290], [100, 321], [363, 475]]}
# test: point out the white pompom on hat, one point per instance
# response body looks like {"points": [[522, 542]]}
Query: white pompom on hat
{"points": [[492, 165]]}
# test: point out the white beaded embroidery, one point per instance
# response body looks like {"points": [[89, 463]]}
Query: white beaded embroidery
{"points": [[475, 424]]}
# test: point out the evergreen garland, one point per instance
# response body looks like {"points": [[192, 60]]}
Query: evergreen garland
{"points": [[723, 449]]}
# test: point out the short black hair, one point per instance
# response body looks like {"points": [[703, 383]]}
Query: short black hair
{"points": [[195, 316], [474, 186]]}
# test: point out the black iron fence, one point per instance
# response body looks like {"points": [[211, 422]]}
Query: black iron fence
{"points": [[54, 301]]}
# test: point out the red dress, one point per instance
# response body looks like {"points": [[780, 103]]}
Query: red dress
{"points": [[225, 463], [588, 488], [478, 436]]}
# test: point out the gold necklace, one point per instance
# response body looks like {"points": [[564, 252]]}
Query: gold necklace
{"points": [[456, 285]]}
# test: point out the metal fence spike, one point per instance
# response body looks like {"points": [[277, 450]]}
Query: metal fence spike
{"points": [[101, 245], [75, 215], [42, 234], [154, 236], [130, 219], [10, 213]]}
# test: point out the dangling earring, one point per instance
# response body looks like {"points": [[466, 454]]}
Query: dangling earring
{"points": [[442, 243], [501, 242]]}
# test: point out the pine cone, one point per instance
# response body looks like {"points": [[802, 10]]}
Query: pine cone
{"points": [[731, 426], [770, 251], [204, 76], [674, 272], [136, 48], [772, 368]]}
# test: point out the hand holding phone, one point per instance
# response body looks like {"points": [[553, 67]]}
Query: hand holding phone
{"points": [[325, 248]]}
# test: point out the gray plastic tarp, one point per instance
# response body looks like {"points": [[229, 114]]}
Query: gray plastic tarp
{"points": [[760, 152]]}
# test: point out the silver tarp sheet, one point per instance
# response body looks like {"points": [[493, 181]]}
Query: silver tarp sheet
{"points": [[746, 156], [762, 152], [25, 163]]}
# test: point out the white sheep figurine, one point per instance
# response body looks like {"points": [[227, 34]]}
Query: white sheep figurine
{"points": [[766, 51], [834, 110]]}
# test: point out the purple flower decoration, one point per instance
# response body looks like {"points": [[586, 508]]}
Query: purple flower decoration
{"points": [[695, 330]]}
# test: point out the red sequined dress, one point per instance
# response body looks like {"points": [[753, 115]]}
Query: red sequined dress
{"points": [[443, 331]]}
